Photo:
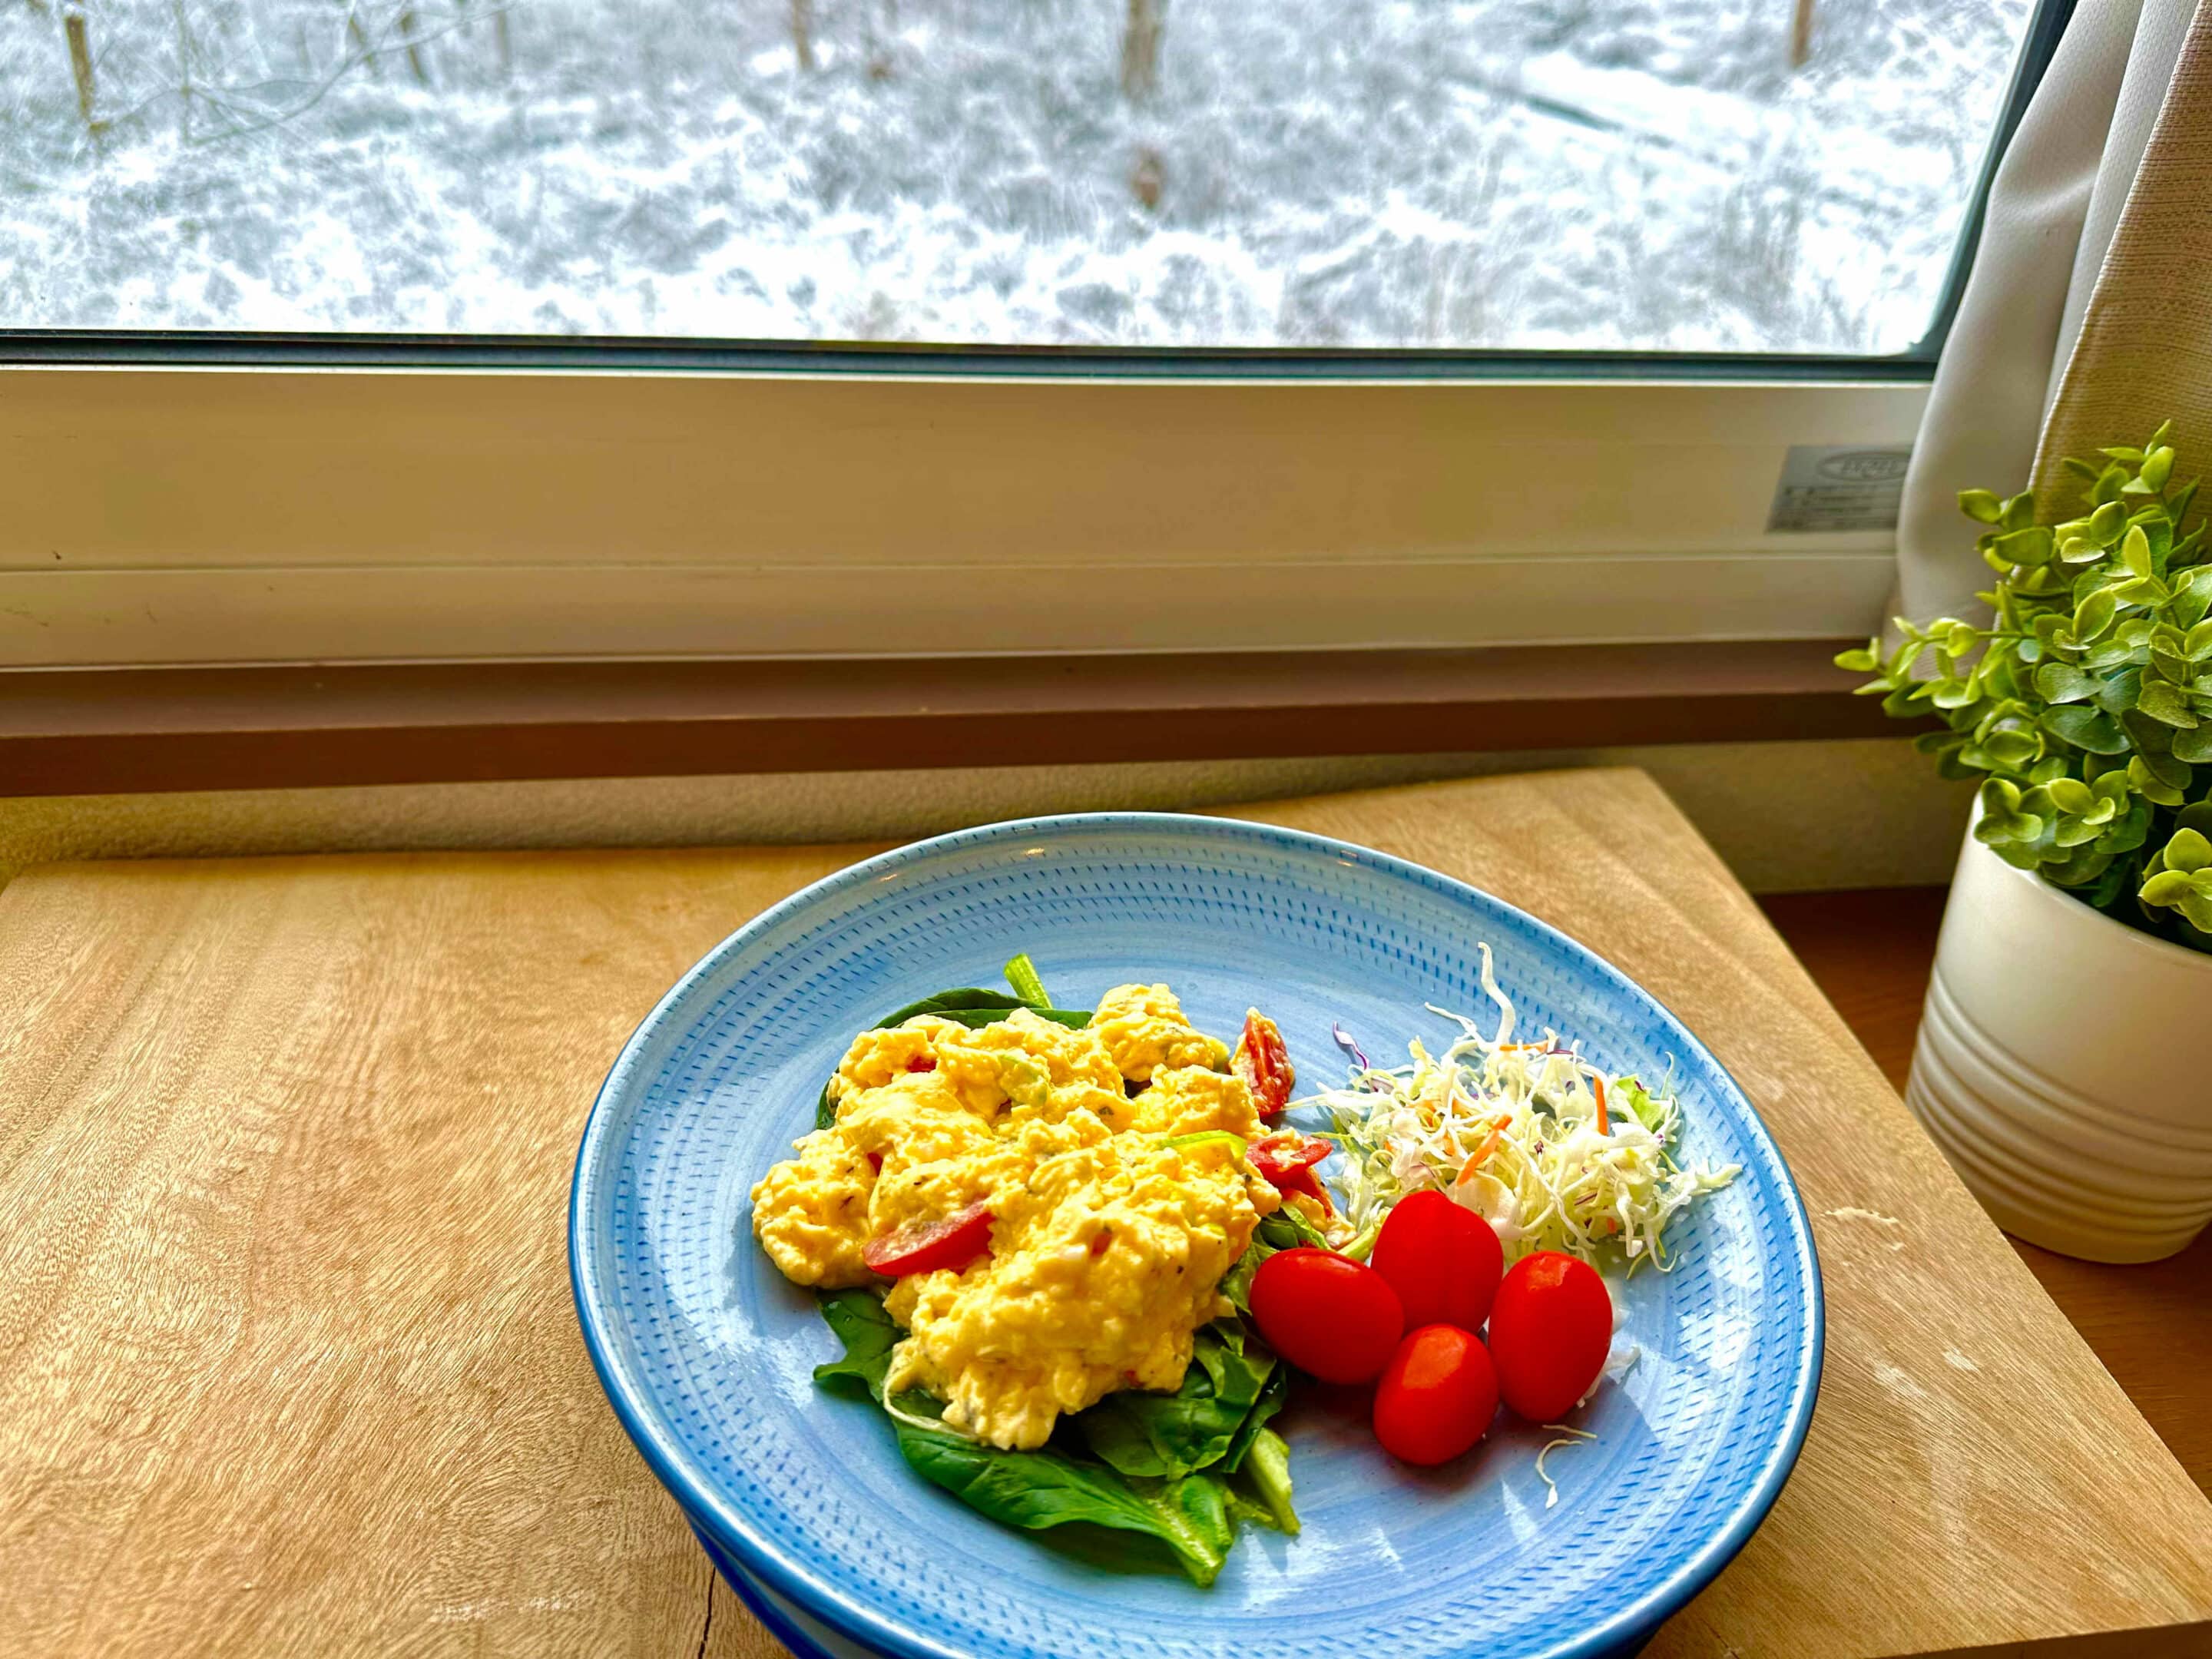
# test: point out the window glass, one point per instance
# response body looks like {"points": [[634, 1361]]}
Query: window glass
{"points": [[1681, 175]]}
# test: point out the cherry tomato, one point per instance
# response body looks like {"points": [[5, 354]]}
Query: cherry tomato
{"points": [[1327, 1314], [1264, 1063], [923, 1246], [1437, 1396], [1443, 1261], [1550, 1331]]}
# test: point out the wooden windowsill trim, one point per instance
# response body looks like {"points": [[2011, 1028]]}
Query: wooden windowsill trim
{"points": [[122, 731]]}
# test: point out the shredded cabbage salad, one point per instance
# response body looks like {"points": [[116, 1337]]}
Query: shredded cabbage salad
{"points": [[1555, 1153]]}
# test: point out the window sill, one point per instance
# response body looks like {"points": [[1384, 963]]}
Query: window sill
{"points": [[122, 731]]}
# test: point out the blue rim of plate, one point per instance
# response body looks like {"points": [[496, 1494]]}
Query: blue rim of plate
{"points": [[706, 1510], [773, 1619]]}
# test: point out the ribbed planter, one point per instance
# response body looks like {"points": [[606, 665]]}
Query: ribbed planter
{"points": [[2060, 1068]]}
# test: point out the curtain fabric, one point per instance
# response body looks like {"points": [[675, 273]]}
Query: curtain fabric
{"points": [[2087, 316]]}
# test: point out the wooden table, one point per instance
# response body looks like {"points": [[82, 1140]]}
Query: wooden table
{"points": [[1871, 952], [288, 1363]]}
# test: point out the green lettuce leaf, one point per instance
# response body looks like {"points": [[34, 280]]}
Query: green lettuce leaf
{"points": [[1167, 1463], [865, 1328], [1200, 1425], [1035, 1490], [1267, 1471], [1249, 1431]]}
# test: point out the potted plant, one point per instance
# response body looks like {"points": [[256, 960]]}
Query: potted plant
{"points": [[2057, 1066]]}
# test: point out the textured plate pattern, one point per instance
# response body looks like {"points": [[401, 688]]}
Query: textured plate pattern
{"points": [[706, 1350]]}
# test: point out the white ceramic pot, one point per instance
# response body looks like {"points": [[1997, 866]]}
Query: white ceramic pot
{"points": [[2060, 1068]]}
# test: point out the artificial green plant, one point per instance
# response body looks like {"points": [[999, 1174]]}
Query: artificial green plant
{"points": [[2084, 705]]}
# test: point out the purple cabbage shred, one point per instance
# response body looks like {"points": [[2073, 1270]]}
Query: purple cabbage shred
{"points": [[1344, 1042]]}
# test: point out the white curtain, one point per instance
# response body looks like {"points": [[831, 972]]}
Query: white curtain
{"points": [[2066, 334]]}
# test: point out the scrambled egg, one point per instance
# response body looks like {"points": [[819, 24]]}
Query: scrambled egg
{"points": [[1107, 1245]]}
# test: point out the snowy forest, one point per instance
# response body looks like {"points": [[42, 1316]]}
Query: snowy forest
{"points": [[1784, 175]]}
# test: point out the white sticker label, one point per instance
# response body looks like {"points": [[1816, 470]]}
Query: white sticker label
{"points": [[1832, 487]]}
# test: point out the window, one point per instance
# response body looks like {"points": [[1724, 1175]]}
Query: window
{"points": [[1749, 176], [404, 329]]}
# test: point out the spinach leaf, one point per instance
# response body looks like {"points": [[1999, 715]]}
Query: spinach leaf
{"points": [[1194, 1428], [1197, 1509], [1039, 1489], [1122, 1438], [968, 1006], [1163, 1434], [1267, 1471], [1276, 1390], [1237, 1365], [953, 1002], [1153, 1445], [1237, 1283], [976, 1008], [1243, 1507], [861, 1324], [1287, 1229]]}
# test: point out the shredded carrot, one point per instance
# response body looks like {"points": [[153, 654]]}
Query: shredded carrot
{"points": [[1472, 1167], [1604, 1128], [1469, 1170]]}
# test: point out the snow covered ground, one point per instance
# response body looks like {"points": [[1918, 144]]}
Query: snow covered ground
{"points": [[1594, 173]]}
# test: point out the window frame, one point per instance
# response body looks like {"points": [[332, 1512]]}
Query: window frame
{"points": [[258, 516], [212, 498]]}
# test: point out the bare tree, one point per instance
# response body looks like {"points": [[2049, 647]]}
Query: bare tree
{"points": [[1148, 179], [882, 30], [184, 55], [1140, 49], [1801, 34], [359, 38], [80, 56], [414, 50], [802, 32]]}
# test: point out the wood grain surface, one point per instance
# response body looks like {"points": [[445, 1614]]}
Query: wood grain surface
{"points": [[1870, 952], [288, 1363]]}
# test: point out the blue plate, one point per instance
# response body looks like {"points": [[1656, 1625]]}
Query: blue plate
{"points": [[706, 1351]]}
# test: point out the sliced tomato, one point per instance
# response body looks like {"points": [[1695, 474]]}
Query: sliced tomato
{"points": [[1264, 1062], [1280, 1154], [924, 1247], [1287, 1159], [1306, 1182], [1310, 1187]]}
